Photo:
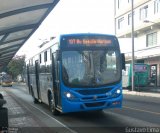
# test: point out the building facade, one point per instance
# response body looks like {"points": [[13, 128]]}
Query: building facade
{"points": [[146, 32]]}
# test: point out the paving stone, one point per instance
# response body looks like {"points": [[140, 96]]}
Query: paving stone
{"points": [[17, 115]]}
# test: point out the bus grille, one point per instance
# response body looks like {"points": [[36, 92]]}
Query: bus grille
{"points": [[92, 98], [97, 104], [94, 91]]}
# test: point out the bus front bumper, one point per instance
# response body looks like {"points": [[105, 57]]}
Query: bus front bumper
{"points": [[76, 106]]}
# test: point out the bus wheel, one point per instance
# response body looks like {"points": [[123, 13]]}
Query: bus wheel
{"points": [[52, 106]]}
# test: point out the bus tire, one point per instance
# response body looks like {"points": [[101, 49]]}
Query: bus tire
{"points": [[34, 99], [52, 107]]}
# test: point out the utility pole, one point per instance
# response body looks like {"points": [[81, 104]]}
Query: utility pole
{"points": [[132, 12]]}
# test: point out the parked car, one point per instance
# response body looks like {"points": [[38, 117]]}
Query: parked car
{"points": [[6, 80]]}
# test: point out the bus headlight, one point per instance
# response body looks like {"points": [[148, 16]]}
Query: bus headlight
{"points": [[70, 96], [116, 93]]}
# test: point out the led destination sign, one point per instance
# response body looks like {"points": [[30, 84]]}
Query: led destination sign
{"points": [[89, 41]]}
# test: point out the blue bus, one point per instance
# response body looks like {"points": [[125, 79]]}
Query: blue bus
{"points": [[77, 72]]}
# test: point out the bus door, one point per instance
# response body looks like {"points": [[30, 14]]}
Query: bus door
{"points": [[28, 80], [37, 80], [56, 80]]}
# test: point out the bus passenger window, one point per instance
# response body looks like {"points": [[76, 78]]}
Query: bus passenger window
{"points": [[45, 56], [40, 58]]}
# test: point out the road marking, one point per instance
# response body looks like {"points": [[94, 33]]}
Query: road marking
{"points": [[141, 110], [54, 119]]}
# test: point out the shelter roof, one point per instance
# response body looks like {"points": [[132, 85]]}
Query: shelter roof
{"points": [[19, 19]]}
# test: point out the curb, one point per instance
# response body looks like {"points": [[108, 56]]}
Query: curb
{"points": [[147, 94]]}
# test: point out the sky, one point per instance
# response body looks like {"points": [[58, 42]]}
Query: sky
{"points": [[73, 16]]}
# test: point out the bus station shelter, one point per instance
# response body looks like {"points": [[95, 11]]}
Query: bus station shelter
{"points": [[19, 19]]}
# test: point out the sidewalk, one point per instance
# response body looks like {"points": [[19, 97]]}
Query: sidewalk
{"points": [[18, 116], [146, 93]]}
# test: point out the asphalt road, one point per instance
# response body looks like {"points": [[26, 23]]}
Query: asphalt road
{"points": [[137, 111]]}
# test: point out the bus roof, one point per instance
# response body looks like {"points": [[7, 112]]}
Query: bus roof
{"points": [[58, 38], [45, 47]]}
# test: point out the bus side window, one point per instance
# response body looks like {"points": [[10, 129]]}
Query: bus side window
{"points": [[54, 74]]}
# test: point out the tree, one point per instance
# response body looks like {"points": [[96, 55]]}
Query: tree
{"points": [[16, 65]]}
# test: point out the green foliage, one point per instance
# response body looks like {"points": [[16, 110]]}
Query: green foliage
{"points": [[16, 65]]}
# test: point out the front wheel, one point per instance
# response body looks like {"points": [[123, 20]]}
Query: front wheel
{"points": [[52, 107]]}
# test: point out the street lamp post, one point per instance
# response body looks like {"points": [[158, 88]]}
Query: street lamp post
{"points": [[132, 12]]}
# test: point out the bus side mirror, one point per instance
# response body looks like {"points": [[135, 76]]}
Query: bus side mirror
{"points": [[123, 61]]}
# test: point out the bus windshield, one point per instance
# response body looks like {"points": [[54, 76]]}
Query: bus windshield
{"points": [[90, 68]]}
